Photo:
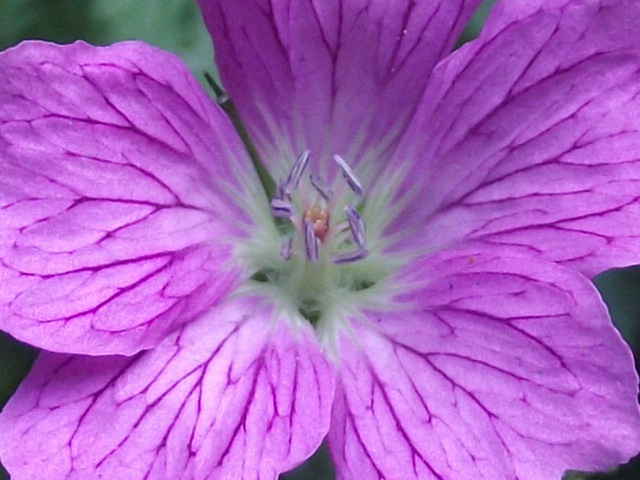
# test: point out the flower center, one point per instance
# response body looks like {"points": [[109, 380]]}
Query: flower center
{"points": [[314, 224], [322, 264]]}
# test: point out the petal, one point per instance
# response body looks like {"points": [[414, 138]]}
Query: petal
{"points": [[529, 137], [337, 76], [490, 367], [246, 399], [121, 188]]}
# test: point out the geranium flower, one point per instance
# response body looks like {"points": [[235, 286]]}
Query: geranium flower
{"points": [[415, 286]]}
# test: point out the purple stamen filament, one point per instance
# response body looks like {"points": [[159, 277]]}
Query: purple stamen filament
{"points": [[310, 241], [357, 226], [321, 187], [286, 249], [349, 175], [293, 179], [350, 257]]}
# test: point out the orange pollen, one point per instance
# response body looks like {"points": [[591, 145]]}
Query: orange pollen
{"points": [[319, 219]]}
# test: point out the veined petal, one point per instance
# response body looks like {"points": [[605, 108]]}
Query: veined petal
{"points": [[234, 394], [493, 368], [529, 137], [122, 190], [335, 77]]}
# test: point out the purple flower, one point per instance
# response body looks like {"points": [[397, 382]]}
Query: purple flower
{"points": [[417, 288]]}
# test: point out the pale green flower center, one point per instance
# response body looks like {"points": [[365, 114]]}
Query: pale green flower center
{"points": [[317, 260]]}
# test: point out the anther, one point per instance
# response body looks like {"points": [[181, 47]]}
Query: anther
{"points": [[321, 187], [286, 249], [310, 241], [356, 224], [296, 173], [350, 256], [281, 208], [349, 176]]}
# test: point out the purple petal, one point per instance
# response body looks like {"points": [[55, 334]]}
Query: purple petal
{"points": [[498, 367], [243, 400], [334, 77], [120, 191], [530, 137]]}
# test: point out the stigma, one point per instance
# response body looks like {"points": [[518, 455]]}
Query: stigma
{"points": [[309, 208], [319, 219]]}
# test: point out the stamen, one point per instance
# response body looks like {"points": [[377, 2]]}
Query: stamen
{"points": [[296, 173], [280, 192], [356, 224], [349, 176], [286, 249], [321, 187], [310, 241], [281, 208], [350, 256]]}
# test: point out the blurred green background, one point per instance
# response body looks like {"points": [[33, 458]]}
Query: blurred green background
{"points": [[176, 25]]}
